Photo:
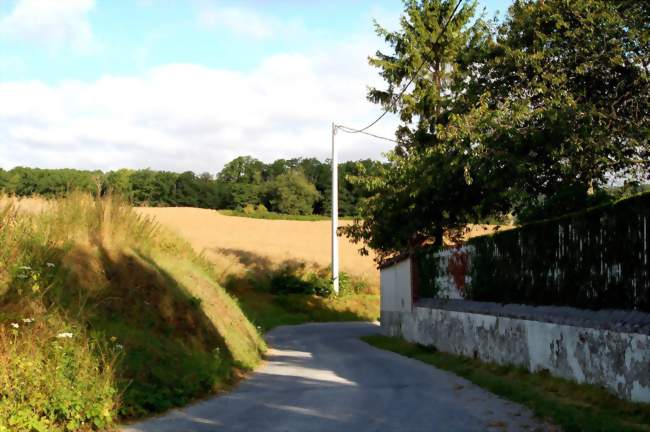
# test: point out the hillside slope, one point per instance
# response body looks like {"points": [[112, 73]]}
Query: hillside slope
{"points": [[105, 314]]}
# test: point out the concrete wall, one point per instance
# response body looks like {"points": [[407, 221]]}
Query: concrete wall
{"points": [[395, 282], [618, 361]]}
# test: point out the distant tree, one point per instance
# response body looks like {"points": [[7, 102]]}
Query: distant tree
{"points": [[119, 182], [187, 190], [163, 188], [292, 193], [277, 168], [244, 169], [239, 195]]}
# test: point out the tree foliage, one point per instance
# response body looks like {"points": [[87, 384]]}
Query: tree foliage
{"points": [[292, 193], [293, 186], [531, 116]]}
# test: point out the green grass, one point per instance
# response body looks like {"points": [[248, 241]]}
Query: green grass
{"points": [[146, 325], [270, 310], [293, 292], [279, 216], [572, 406]]}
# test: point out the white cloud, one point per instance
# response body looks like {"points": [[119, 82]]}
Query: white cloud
{"points": [[247, 22], [188, 117], [53, 23]]}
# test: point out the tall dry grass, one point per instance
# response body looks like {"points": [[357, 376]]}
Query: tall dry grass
{"points": [[103, 313]]}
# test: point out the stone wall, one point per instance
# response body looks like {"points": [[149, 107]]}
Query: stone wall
{"points": [[619, 361]]}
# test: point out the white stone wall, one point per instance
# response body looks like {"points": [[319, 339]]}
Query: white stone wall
{"points": [[395, 286], [618, 361]]}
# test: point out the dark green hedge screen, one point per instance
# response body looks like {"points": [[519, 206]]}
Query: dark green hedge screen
{"points": [[597, 259]]}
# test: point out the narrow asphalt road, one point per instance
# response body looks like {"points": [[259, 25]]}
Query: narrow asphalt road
{"points": [[321, 377]]}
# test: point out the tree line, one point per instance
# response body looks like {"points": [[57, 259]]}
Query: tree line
{"points": [[291, 186], [530, 116]]}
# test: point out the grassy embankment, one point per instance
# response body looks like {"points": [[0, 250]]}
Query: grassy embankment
{"points": [[105, 315], [572, 406], [277, 269], [295, 294]]}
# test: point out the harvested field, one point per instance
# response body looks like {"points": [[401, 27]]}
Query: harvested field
{"points": [[234, 242], [238, 243]]}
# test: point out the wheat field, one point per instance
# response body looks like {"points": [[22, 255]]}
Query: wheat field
{"points": [[233, 242]]}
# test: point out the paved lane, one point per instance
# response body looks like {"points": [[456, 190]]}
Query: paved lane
{"points": [[321, 377]]}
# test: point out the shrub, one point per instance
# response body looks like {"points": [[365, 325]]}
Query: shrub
{"points": [[295, 280]]}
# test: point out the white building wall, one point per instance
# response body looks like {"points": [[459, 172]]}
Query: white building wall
{"points": [[395, 283]]}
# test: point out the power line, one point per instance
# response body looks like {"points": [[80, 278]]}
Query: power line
{"points": [[350, 130], [415, 75]]}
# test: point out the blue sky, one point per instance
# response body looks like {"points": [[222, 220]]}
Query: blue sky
{"points": [[92, 77]]}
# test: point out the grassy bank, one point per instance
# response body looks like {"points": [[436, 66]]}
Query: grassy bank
{"points": [[574, 407], [105, 315], [295, 293]]}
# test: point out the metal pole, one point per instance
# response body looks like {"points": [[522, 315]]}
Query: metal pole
{"points": [[335, 214]]}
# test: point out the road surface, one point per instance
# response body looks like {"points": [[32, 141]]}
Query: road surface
{"points": [[321, 377]]}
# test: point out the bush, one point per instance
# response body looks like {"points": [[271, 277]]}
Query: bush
{"points": [[295, 280], [251, 210]]}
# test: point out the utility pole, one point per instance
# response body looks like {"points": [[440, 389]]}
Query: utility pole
{"points": [[335, 214]]}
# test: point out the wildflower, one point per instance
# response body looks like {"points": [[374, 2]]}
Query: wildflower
{"points": [[119, 346], [15, 325], [28, 320], [113, 338], [50, 265], [64, 335]]}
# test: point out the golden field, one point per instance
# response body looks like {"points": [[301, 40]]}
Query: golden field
{"points": [[235, 243]]}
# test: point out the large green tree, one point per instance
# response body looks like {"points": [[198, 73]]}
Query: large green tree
{"points": [[541, 110], [560, 98], [243, 169], [426, 189]]}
